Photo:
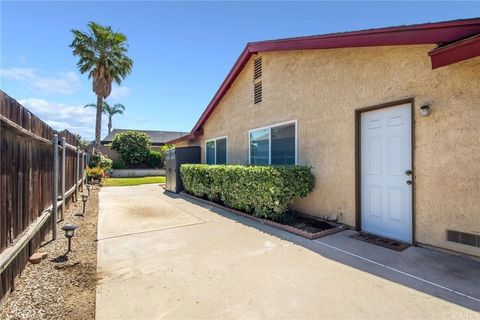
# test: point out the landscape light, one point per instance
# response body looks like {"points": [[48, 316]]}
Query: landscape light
{"points": [[84, 199], [69, 233]]}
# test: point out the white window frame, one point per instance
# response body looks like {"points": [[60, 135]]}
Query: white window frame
{"points": [[215, 140], [269, 127]]}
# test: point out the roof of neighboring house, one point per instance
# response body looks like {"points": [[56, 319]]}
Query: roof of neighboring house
{"points": [[158, 137], [440, 33]]}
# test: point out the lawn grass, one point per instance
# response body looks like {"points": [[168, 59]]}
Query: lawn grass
{"points": [[123, 182]]}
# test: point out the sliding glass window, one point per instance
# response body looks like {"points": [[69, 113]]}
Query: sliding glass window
{"points": [[216, 151], [274, 145]]}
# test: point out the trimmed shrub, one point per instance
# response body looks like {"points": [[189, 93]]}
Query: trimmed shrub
{"points": [[154, 159], [95, 173], [263, 191], [133, 146]]}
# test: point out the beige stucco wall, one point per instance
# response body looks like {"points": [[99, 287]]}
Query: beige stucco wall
{"points": [[322, 88]]}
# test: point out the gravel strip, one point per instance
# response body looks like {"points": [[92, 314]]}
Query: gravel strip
{"points": [[58, 289]]}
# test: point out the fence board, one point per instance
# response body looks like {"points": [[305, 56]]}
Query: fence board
{"points": [[26, 168]]}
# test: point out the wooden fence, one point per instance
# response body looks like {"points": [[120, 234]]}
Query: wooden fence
{"points": [[41, 173]]}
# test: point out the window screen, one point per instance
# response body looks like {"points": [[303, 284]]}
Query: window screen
{"points": [[221, 151], [283, 144], [210, 156], [259, 147]]}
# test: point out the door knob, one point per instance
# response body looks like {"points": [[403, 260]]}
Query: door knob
{"points": [[408, 172], [409, 182]]}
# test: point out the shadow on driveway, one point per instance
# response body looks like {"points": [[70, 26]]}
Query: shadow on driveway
{"points": [[452, 278]]}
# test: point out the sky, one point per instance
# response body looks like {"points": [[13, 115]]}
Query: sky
{"points": [[182, 51]]}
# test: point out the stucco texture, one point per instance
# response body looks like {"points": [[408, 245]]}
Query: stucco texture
{"points": [[321, 89]]}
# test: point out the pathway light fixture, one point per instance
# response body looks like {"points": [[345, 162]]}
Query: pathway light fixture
{"points": [[69, 233]]}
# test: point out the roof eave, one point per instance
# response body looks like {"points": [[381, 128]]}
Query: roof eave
{"points": [[188, 137], [430, 33], [455, 52]]}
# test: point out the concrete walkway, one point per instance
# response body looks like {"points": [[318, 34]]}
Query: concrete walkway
{"points": [[164, 256]]}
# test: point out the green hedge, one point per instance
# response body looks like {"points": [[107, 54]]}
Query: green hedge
{"points": [[154, 159], [263, 191]]}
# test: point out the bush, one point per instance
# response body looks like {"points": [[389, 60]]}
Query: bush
{"points": [[105, 163], [133, 146], [154, 159], [96, 173], [94, 160], [263, 191], [97, 160], [119, 164]]}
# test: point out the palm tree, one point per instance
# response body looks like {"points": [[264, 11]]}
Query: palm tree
{"points": [[109, 111], [102, 54]]}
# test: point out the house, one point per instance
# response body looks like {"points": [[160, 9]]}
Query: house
{"points": [[159, 138], [389, 120]]}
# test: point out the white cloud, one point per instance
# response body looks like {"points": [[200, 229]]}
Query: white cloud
{"points": [[64, 83], [59, 83], [18, 73], [75, 118], [119, 92]]}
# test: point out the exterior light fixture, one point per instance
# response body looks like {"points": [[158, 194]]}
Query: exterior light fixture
{"points": [[425, 110], [89, 187], [84, 200], [69, 233]]}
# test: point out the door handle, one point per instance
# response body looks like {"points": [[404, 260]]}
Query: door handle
{"points": [[409, 182], [408, 172]]}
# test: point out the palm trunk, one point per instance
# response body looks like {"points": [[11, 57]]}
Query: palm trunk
{"points": [[98, 123], [109, 124]]}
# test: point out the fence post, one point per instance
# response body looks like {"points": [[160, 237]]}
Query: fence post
{"points": [[77, 173], [83, 170], [54, 186], [64, 152], [87, 160]]}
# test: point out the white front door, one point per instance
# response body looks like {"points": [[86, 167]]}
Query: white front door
{"points": [[386, 178]]}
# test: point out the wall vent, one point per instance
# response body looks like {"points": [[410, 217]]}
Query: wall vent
{"points": [[257, 68], [468, 239], [257, 92]]}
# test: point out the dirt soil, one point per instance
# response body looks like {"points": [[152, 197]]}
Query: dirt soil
{"points": [[306, 224], [60, 288]]}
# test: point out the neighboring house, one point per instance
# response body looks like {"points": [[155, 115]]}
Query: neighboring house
{"points": [[159, 138], [354, 106]]}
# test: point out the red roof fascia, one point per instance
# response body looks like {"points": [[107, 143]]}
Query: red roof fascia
{"points": [[429, 33], [190, 136], [440, 32], [455, 52]]}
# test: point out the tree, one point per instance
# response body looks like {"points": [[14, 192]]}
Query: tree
{"points": [[102, 53], [109, 111], [133, 146]]}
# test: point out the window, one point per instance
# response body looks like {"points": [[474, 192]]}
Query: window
{"points": [[216, 151], [274, 145]]}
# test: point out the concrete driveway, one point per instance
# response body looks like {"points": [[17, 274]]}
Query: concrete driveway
{"points": [[164, 256]]}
